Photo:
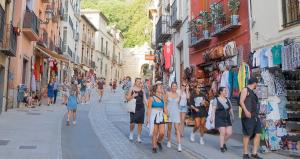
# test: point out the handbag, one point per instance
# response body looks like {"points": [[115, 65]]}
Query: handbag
{"points": [[131, 105]]}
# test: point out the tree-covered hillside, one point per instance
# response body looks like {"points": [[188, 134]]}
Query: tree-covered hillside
{"points": [[130, 16]]}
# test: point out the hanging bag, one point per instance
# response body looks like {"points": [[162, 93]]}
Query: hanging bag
{"points": [[131, 105]]}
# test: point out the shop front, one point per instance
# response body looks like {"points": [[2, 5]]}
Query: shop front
{"points": [[277, 67]]}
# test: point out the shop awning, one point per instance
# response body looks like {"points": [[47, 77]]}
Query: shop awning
{"points": [[85, 68], [47, 52]]}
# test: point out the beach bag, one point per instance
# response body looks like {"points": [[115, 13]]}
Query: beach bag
{"points": [[131, 105], [208, 124]]}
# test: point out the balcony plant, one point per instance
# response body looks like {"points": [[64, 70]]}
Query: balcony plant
{"points": [[217, 15], [204, 20], [233, 6], [193, 29]]}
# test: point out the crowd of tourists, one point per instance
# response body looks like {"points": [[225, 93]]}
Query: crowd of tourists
{"points": [[162, 107]]}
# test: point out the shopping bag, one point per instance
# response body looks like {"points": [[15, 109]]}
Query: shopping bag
{"points": [[131, 105], [210, 125]]}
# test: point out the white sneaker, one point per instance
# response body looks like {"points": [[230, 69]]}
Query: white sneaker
{"points": [[179, 148], [169, 145], [201, 141], [192, 137], [131, 136], [74, 122], [139, 140]]}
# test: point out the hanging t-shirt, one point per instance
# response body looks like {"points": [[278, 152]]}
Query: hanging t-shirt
{"points": [[225, 81], [264, 58], [274, 114], [270, 57], [276, 52], [168, 52], [256, 59]]}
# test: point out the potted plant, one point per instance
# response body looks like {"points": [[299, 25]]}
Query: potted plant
{"points": [[233, 6], [193, 29], [204, 20], [217, 15]]}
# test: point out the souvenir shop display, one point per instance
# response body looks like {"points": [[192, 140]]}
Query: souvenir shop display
{"points": [[279, 96]]}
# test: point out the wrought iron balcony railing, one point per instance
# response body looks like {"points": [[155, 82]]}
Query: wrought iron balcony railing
{"points": [[31, 25], [163, 29], [176, 14], [9, 43]]}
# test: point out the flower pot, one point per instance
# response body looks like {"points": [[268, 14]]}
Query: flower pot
{"points": [[234, 19], [205, 34], [218, 28]]}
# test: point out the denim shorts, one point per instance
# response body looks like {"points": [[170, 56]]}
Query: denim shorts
{"points": [[183, 109]]}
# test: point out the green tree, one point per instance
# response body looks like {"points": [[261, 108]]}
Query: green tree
{"points": [[130, 16]]}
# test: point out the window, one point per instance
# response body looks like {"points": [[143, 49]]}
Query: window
{"points": [[106, 46], [291, 12], [102, 45]]}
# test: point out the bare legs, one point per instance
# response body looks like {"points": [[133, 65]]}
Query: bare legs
{"points": [[177, 129], [140, 128], [225, 133], [182, 122], [50, 101], [256, 143], [71, 114], [158, 134], [199, 125]]}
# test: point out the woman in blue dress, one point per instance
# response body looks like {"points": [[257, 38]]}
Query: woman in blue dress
{"points": [[72, 103], [50, 92]]}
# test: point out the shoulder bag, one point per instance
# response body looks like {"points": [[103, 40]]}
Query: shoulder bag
{"points": [[131, 105]]}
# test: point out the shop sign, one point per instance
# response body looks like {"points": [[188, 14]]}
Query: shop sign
{"points": [[149, 57]]}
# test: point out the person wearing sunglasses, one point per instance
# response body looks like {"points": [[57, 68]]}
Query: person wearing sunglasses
{"points": [[197, 104], [184, 95]]}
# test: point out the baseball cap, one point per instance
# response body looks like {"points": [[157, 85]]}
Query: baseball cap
{"points": [[158, 82]]}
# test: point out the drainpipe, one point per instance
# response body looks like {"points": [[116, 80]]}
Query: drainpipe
{"points": [[6, 96]]}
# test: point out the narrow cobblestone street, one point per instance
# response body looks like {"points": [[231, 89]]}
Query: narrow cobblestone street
{"points": [[101, 132]]}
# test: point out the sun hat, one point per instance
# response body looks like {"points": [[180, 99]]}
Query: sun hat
{"points": [[158, 82]]}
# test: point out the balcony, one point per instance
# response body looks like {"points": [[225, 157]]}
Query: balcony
{"points": [[31, 25], [46, 1], [76, 37], [176, 14], [93, 43], [225, 22], [43, 39], [2, 22], [199, 34], [114, 59], [59, 46], [9, 43], [93, 64], [84, 37], [88, 42], [163, 29], [51, 45]]}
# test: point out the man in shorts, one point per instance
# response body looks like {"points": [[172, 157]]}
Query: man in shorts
{"points": [[100, 85], [250, 121]]}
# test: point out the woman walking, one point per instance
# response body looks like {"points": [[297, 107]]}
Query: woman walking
{"points": [[72, 103], [50, 92], [184, 96], [174, 115], [65, 92], [156, 116], [222, 116], [100, 84], [138, 117], [199, 112], [88, 90]]}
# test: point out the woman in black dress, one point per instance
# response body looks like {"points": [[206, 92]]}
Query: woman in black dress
{"points": [[138, 117], [222, 115]]}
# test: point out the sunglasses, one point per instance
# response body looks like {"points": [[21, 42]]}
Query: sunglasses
{"points": [[184, 85]]}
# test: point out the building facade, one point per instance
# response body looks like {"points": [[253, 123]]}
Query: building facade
{"points": [[108, 46], [8, 46], [134, 62], [87, 44]]}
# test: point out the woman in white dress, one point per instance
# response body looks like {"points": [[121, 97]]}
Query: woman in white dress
{"points": [[183, 108], [174, 115]]}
